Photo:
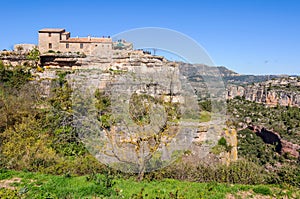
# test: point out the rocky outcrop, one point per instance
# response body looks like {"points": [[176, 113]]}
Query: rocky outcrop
{"points": [[290, 148], [119, 60], [283, 92], [272, 137], [232, 141], [14, 59]]}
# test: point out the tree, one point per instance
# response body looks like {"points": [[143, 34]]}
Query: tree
{"points": [[138, 120], [34, 55], [146, 142]]}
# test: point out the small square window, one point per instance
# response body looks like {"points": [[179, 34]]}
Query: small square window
{"points": [[49, 34], [81, 46], [50, 45], [67, 45]]}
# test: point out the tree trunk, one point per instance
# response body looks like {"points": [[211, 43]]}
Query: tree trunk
{"points": [[141, 172]]}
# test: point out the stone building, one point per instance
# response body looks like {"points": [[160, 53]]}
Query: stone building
{"points": [[24, 48], [59, 40]]}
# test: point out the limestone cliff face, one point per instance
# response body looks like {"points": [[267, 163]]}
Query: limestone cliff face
{"points": [[231, 138], [119, 60], [14, 59], [284, 92], [84, 82]]}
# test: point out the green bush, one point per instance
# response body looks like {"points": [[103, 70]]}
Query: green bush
{"points": [[14, 77], [253, 148], [80, 165], [222, 141], [8, 194], [34, 55], [241, 172], [289, 174], [27, 146], [262, 190]]}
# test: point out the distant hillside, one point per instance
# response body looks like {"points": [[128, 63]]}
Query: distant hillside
{"points": [[195, 72], [225, 72], [201, 69], [247, 79]]}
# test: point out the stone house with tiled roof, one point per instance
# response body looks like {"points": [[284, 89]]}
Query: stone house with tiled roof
{"points": [[60, 40]]}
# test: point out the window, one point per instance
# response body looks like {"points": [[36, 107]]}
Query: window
{"points": [[50, 45], [49, 34], [67, 45], [81, 46]]}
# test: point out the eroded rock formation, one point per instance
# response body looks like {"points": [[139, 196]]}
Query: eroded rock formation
{"points": [[283, 92], [272, 137]]}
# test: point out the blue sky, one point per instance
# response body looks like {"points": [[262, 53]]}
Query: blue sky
{"points": [[247, 36]]}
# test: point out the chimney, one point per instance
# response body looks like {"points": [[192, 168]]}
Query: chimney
{"points": [[89, 38]]}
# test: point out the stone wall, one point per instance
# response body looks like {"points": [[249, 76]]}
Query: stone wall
{"points": [[24, 48], [91, 48], [59, 40], [45, 40]]}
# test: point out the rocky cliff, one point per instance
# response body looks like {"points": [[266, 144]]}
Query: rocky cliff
{"points": [[281, 91]]}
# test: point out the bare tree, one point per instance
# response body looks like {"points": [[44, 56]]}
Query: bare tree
{"points": [[138, 127]]}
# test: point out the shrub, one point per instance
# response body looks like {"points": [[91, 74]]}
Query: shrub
{"points": [[242, 172], [27, 146], [8, 193], [34, 55], [15, 77], [262, 190], [222, 141], [289, 174]]}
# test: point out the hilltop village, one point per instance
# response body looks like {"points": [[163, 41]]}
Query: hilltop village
{"points": [[57, 49]]}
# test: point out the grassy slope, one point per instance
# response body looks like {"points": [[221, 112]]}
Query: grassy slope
{"points": [[36, 185]]}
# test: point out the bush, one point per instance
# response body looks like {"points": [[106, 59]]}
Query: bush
{"points": [[34, 55], [262, 190], [27, 146], [253, 148], [8, 194], [289, 174], [241, 172], [222, 141], [80, 165], [15, 77]]}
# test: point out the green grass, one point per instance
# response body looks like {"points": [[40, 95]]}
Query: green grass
{"points": [[36, 185], [43, 186], [205, 116]]}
